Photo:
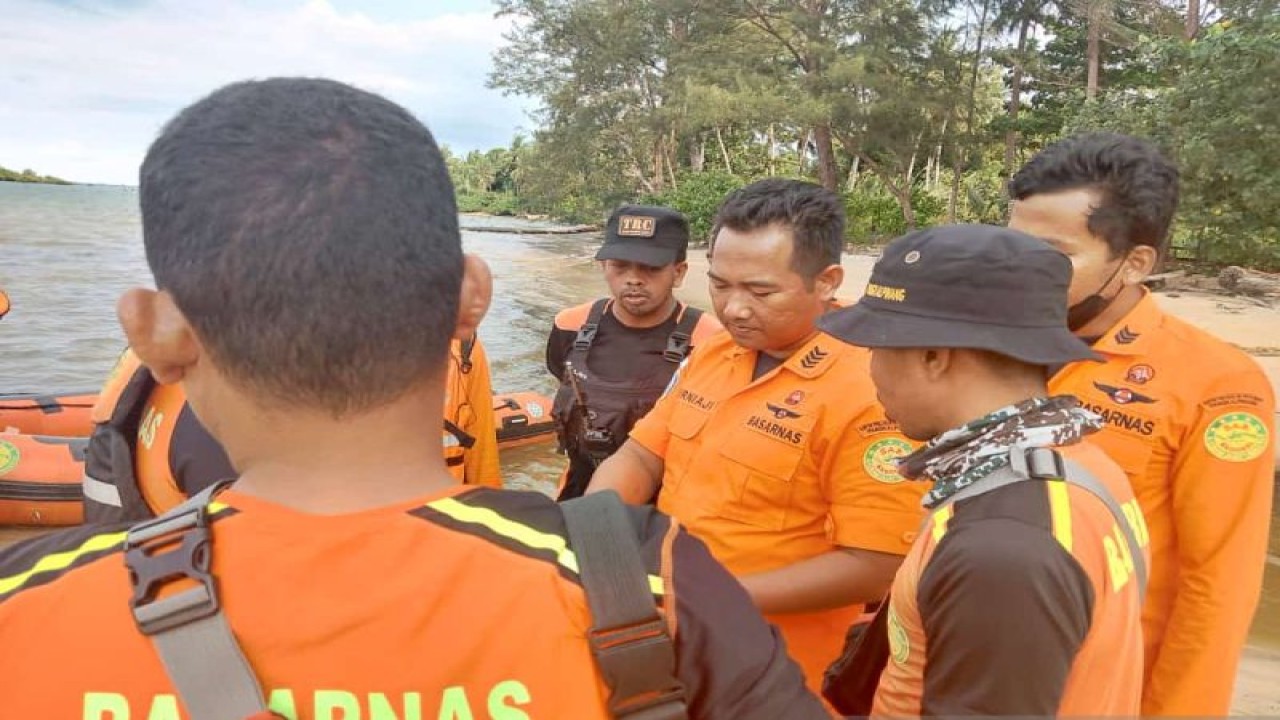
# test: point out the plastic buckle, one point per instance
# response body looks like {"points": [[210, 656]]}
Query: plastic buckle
{"points": [[645, 654], [1037, 463], [164, 550], [677, 347], [586, 335]]}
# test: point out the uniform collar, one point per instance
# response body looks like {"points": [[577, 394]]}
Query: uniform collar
{"points": [[808, 361], [1132, 333]]}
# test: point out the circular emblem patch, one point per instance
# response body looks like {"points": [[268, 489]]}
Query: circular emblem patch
{"points": [[899, 642], [1236, 437], [9, 457], [879, 459]]}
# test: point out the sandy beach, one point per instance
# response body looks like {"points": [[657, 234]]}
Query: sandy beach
{"points": [[1240, 321]]}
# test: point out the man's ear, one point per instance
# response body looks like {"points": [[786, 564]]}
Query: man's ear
{"points": [[828, 281], [682, 268], [474, 299], [1138, 264], [936, 362], [159, 333]]}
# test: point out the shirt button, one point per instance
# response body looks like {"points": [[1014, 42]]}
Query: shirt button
{"points": [[909, 537]]}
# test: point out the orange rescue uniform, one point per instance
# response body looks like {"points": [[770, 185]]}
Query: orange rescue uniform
{"points": [[464, 603], [1189, 418], [1020, 601], [784, 468], [468, 403], [172, 452]]}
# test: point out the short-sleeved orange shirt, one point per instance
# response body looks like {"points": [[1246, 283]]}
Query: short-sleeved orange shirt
{"points": [[1189, 419], [781, 469], [465, 603]]}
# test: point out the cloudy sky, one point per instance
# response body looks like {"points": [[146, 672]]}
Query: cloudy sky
{"points": [[86, 84]]}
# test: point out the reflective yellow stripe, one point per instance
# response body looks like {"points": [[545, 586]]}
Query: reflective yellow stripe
{"points": [[940, 521], [520, 533], [1060, 510], [62, 560], [65, 559]]}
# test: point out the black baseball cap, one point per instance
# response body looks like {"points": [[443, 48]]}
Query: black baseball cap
{"points": [[966, 286], [645, 234]]}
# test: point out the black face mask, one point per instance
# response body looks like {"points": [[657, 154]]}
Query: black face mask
{"points": [[1083, 312]]}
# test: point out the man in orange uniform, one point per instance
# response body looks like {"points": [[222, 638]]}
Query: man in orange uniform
{"points": [[1188, 416], [351, 572], [149, 451], [1023, 594], [769, 444]]}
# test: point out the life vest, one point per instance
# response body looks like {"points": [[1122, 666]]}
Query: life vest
{"points": [[111, 488], [456, 440], [612, 408], [115, 488]]}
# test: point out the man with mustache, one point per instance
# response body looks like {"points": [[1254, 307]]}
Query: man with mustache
{"points": [[770, 445], [623, 349]]}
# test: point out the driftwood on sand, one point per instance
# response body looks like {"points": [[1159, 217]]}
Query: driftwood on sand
{"points": [[571, 230], [1249, 282]]}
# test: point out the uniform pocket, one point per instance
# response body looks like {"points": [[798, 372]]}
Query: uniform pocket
{"points": [[761, 463], [686, 422]]}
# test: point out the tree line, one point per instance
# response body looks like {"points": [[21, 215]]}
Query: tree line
{"points": [[29, 176], [917, 111]]}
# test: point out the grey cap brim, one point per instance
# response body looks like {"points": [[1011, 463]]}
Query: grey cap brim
{"points": [[643, 253], [871, 327]]}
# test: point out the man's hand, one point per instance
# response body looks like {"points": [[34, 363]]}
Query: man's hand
{"points": [[834, 579], [633, 472]]}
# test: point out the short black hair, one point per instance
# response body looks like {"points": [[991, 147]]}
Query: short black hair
{"points": [[813, 213], [309, 233], [1136, 183]]}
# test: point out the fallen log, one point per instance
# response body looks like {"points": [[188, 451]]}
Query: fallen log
{"points": [[1249, 282], [571, 230], [1160, 280]]}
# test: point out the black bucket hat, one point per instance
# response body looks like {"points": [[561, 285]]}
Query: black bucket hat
{"points": [[645, 234], [966, 286]]}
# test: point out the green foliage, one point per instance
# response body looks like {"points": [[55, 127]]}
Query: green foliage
{"points": [[874, 215], [905, 106], [1215, 119], [698, 195], [29, 176]]}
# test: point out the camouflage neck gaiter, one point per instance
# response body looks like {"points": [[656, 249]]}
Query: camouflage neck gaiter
{"points": [[959, 457]]}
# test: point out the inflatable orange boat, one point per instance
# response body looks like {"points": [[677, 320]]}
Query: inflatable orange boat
{"points": [[67, 415], [40, 479], [43, 440], [522, 418]]}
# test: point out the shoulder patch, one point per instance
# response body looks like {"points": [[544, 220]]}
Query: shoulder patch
{"points": [[1234, 399], [877, 427], [881, 459], [1236, 437]]}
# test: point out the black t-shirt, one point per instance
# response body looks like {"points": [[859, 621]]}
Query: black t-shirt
{"points": [[619, 353]]}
